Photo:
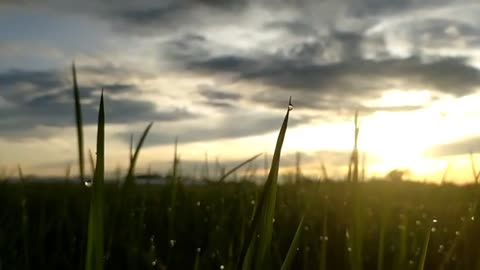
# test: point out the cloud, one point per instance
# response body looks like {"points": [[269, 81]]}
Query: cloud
{"points": [[344, 82], [45, 99], [208, 92], [235, 124], [459, 147]]}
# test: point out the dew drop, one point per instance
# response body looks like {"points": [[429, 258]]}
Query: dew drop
{"points": [[434, 229], [198, 203], [457, 233], [88, 183], [222, 267], [290, 105], [198, 250], [472, 218], [172, 242], [252, 202], [434, 220], [154, 262]]}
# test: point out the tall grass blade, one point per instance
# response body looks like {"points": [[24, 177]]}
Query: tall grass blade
{"points": [[131, 170], [323, 247], [421, 264], [381, 241], [94, 260], [67, 171], [173, 195], [292, 250], [91, 161], [225, 175], [259, 234], [474, 170], [403, 243], [78, 121], [25, 236], [196, 265]]}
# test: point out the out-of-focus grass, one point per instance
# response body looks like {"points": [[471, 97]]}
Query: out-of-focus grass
{"points": [[79, 124], [58, 214]]}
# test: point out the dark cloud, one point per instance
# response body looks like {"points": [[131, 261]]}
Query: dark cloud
{"points": [[45, 99], [460, 147], [233, 125], [375, 7], [218, 98], [293, 27], [442, 34], [219, 104], [345, 81], [211, 93]]}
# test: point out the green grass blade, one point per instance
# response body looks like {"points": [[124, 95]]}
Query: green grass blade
{"points": [[323, 248], [381, 241], [25, 228], [292, 250], [78, 119], [131, 169], [225, 175], [92, 161], [262, 223], [67, 171], [196, 265], [423, 257], [403, 243], [94, 260]]}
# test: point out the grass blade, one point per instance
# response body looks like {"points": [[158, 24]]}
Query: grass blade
{"points": [[92, 161], [255, 248], [131, 170], [423, 257], [94, 260], [292, 250], [196, 265], [323, 248], [225, 175], [78, 119], [381, 241]]}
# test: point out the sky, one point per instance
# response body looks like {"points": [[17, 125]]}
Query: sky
{"points": [[218, 74]]}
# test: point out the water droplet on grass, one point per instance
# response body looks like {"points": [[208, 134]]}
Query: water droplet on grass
{"points": [[88, 183], [290, 105], [172, 242], [222, 267]]}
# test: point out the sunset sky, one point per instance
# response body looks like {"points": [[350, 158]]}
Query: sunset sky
{"points": [[218, 74]]}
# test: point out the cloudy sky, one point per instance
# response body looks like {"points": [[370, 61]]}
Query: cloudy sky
{"points": [[218, 74]]}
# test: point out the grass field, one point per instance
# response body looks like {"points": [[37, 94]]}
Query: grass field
{"points": [[45, 225], [219, 224]]}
